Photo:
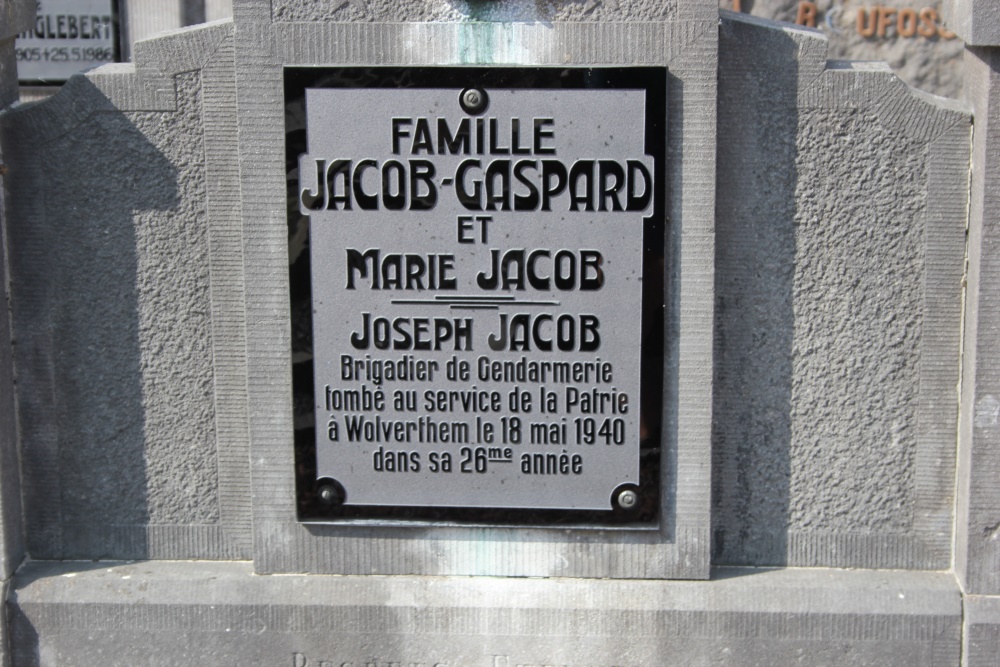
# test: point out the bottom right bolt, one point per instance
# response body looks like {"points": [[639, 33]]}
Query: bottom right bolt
{"points": [[628, 499]]}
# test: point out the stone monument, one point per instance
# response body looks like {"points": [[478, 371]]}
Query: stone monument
{"points": [[569, 333]]}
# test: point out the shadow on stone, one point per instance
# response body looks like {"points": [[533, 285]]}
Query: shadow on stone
{"points": [[86, 173], [754, 319]]}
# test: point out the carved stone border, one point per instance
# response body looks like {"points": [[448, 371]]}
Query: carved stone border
{"points": [[679, 549]]}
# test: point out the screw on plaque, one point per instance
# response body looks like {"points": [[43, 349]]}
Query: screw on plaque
{"points": [[473, 100], [330, 494], [628, 499]]}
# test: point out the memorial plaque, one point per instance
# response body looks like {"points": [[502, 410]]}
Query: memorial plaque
{"points": [[485, 253], [69, 36]]}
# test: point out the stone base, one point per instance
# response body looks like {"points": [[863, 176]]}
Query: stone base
{"points": [[186, 613], [982, 630]]}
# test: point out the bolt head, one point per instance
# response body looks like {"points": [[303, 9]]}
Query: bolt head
{"points": [[472, 98], [327, 494], [628, 499]]}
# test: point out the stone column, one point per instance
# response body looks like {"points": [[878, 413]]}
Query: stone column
{"points": [[977, 528], [16, 16]]}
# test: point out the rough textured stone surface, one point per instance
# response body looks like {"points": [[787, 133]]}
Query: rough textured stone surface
{"points": [[175, 323], [478, 10], [840, 249], [113, 308], [857, 295], [977, 550], [190, 613], [975, 21], [687, 47], [113, 275], [932, 64]]}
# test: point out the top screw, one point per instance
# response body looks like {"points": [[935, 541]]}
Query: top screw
{"points": [[473, 100]]}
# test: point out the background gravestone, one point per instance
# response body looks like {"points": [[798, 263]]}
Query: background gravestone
{"points": [[921, 47]]}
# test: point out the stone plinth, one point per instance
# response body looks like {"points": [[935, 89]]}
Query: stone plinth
{"points": [[190, 613]]}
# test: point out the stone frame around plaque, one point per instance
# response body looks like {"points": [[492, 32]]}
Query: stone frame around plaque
{"points": [[678, 545]]}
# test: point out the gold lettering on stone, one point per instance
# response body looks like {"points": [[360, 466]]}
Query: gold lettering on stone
{"points": [[875, 21]]}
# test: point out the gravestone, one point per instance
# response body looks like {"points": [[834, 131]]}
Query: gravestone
{"points": [[261, 274], [915, 37], [66, 38]]}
